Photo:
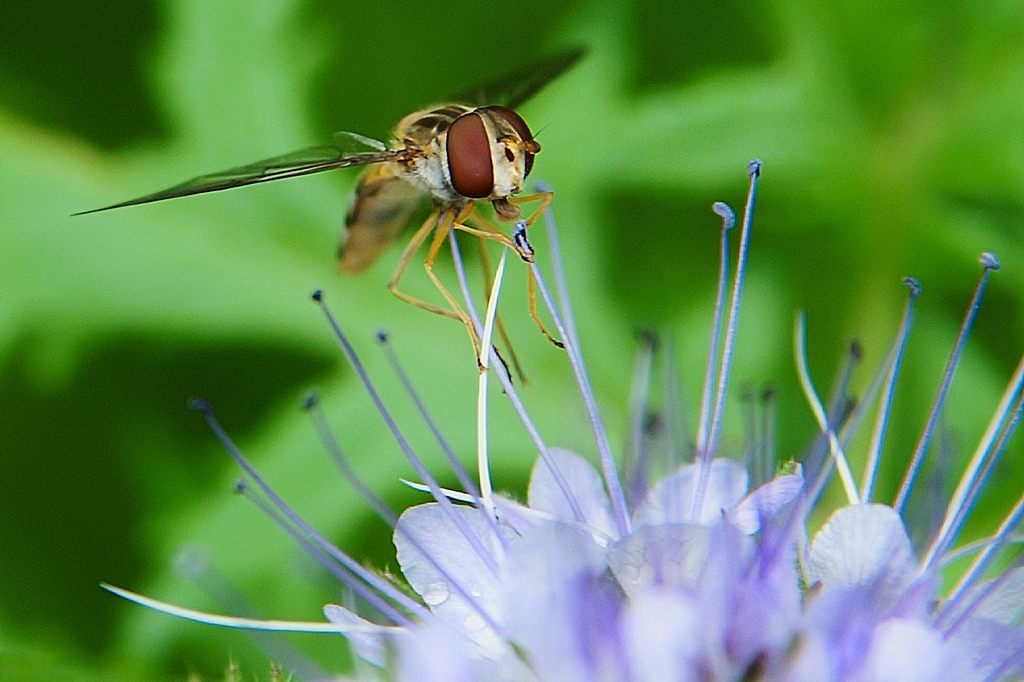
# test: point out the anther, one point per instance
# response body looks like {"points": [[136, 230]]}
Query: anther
{"points": [[647, 338], [856, 351], [989, 261], [200, 405], [519, 239], [725, 211]]}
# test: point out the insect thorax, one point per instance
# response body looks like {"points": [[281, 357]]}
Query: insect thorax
{"points": [[425, 131]]}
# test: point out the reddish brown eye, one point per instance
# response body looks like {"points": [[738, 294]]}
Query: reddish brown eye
{"points": [[469, 157], [523, 130]]}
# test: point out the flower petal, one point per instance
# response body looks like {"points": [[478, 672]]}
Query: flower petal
{"points": [[671, 555], [452, 579], [765, 501], [585, 484], [904, 650], [563, 606], [863, 545], [670, 500], [368, 644], [663, 636], [1005, 603]]}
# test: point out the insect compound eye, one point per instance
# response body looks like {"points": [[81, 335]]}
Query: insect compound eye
{"points": [[469, 157], [519, 125]]}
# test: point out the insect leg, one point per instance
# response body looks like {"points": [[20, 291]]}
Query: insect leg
{"points": [[531, 290], [444, 226], [410, 250], [485, 264], [486, 230], [544, 198]]}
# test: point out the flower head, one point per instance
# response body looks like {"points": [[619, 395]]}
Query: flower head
{"points": [[695, 575]]}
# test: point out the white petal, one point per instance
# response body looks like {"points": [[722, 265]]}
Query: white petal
{"points": [[863, 544], [904, 650], [457, 585], [1006, 602], [671, 554], [434, 653], [368, 644], [663, 636], [563, 608], [765, 501], [584, 483], [671, 499]]}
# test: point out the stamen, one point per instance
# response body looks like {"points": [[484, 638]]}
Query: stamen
{"points": [[330, 443], [979, 481], [323, 551], [233, 622], [978, 545], [567, 330], [287, 518], [635, 465], [443, 501], [978, 598], [835, 449], [196, 566], [981, 563], [704, 420], [413, 459], [378, 505], [483, 462], [885, 404], [706, 454], [989, 263], [506, 384], [456, 466], [999, 427], [520, 241], [472, 492], [754, 171]]}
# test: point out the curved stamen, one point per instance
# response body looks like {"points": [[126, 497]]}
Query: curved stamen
{"points": [[704, 420], [835, 448]]}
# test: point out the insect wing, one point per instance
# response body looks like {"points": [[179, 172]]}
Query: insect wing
{"points": [[514, 89], [349, 149], [382, 205]]}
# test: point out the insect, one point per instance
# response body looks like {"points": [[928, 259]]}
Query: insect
{"points": [[467, 152]]}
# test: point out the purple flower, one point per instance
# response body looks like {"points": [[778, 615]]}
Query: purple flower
{"points": [[692, 576]]}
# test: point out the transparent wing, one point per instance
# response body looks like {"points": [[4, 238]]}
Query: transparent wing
{"points": [[515, 88], [349, 149]]}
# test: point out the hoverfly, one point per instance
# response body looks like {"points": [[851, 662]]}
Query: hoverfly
{"points": [[471, 150]]}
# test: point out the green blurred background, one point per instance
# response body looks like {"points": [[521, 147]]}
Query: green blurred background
{"points": [[893, 144]]}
